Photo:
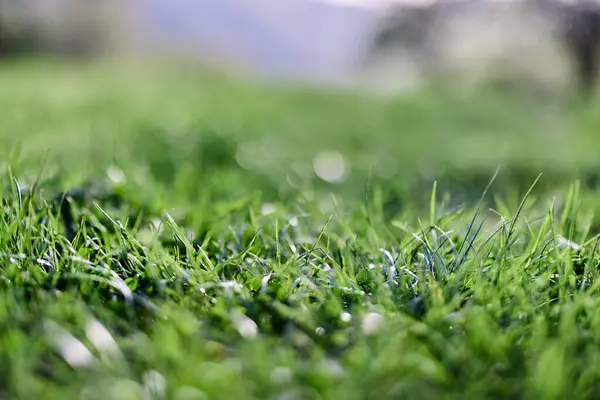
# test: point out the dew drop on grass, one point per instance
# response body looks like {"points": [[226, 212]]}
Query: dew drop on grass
{"points": [[267, 208], [231, 285], [115, 174], [330, 166], [564, 242], [156, 224], [346, 317], [372, 323]]}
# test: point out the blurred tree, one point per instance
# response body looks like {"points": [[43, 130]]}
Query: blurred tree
{"points": [[583, 40], [59, 26], [13, 38], [424, 32]]}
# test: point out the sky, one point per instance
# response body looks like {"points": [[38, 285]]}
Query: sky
{"points": [[297, 37]]}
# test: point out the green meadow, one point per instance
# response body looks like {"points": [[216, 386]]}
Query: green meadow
{"points": [[176, 234]]}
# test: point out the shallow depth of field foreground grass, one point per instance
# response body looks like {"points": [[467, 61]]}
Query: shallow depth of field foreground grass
{"points": [[182, 237]]}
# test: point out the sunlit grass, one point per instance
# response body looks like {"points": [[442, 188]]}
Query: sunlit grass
{"points": [[181, 236]]}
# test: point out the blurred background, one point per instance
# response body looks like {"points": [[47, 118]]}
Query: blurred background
{"points": [[469, 85], [390, 43]]}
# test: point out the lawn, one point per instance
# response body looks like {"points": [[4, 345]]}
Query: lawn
{"points": [[178, 234]]}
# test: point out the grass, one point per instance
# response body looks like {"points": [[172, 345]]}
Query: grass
{"points": [[166, 236]]}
